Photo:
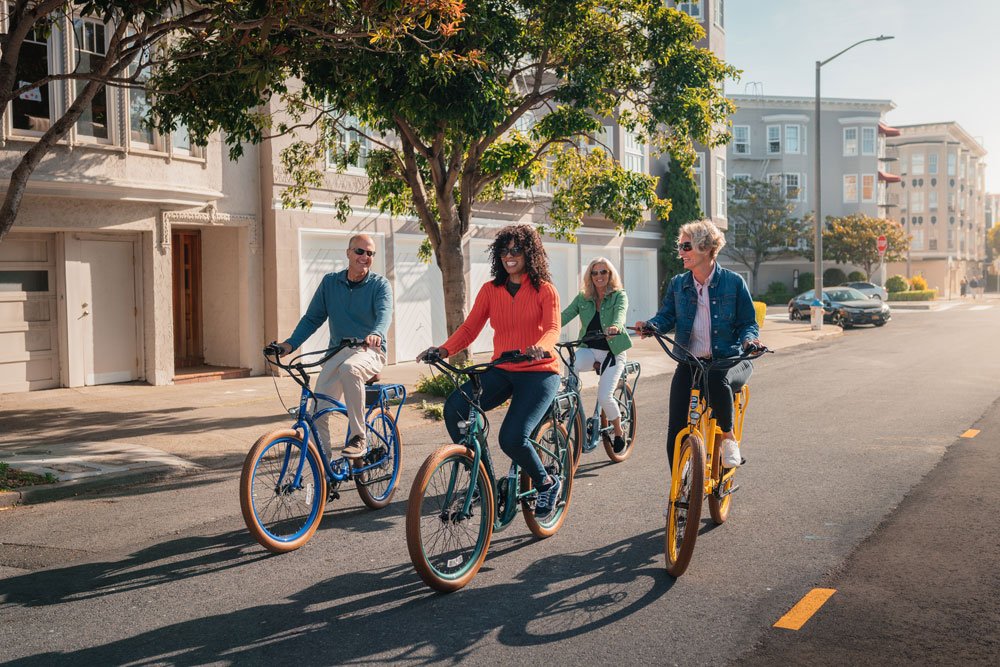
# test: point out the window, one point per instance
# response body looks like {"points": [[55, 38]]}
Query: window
{"points": [[951, 239], [932, 200], [792, 134], [719, 15], [32, 109], [90, 45], [603, 139], [868, 141], [737, 187], [850, 187], [918, 239], [791, 185], [917, 201], [345, 140], [951, 201], [180, 141], [868, 187], [903, 168], [699, 176], [634, 153], [917, 164], [773, 139], [961, 169], [951, 163], [140, 134], [741, 139], [850, 141], [932, 161], [720, 187], [692, 9]]}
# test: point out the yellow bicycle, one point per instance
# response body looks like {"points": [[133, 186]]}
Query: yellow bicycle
{"points": [[697, 471]]}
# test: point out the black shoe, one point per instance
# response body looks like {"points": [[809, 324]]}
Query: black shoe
{"points": [[619, 444], [548, 498]]}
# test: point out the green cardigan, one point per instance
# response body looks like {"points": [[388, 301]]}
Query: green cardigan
{"points": [[613, 310]]}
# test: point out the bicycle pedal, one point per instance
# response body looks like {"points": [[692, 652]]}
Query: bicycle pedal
{"points": [[332, 495]]}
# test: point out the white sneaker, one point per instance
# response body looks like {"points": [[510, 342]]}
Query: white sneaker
{"points": [[731, 454]]}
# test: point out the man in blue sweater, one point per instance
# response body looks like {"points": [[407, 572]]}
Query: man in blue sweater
{"points": [[357, 304]]}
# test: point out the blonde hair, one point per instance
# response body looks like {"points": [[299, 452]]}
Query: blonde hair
{"points": [[587, 284], [704, 236]]}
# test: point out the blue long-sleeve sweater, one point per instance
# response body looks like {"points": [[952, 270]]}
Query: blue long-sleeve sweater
{"points": [[352, 312]]}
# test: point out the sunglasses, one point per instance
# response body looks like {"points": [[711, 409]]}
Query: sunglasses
{"points": [[362, 251], [514, 251], [599, 272], [686, 246]]}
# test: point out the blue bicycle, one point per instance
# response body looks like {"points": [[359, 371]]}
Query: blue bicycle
{"points": [[287, 477]]}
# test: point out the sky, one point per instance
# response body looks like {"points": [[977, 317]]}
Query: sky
{"points": [[943, 65]]}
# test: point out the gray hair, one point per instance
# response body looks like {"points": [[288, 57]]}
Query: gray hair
{"points": [[704, 235]]}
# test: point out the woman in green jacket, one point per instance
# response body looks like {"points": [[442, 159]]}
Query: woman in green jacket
{"points": [[602, 305]]}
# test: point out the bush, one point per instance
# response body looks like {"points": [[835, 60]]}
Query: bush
{"points": [[435, 385], [807, 281], [834, 276], [914, 295], [918, 283], [856, 277], [776, 294], [896, 284], [433, 411]]}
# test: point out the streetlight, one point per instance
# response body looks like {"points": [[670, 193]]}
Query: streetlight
{"points": [[817, 304]]}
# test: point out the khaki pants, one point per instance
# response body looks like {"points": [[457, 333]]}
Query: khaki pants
{"points": [[343, 377]]}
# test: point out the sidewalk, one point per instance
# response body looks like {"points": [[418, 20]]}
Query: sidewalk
{"points": [[115, 435]]}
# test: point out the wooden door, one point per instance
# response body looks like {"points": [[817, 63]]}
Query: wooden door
{"points": [[186, 247]]}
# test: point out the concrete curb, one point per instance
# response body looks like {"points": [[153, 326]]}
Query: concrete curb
{"points": [[49, 492], [9, 499]]}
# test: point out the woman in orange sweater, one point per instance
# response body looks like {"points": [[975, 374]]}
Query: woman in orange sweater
{"points": [[522, 306]]}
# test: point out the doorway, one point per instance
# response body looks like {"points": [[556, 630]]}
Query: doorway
{"points": [[186, 251], [107, 311]]}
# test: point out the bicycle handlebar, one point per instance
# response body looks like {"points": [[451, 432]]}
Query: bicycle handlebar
{"points": [[508, 357], [272, 354], [752, 352]]}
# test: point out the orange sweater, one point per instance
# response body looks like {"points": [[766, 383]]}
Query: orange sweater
{"points": [[531, 317]]}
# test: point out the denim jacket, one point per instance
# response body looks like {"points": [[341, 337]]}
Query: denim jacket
{"points": [[734, 320]]}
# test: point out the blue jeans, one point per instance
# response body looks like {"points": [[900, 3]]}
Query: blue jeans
{"points": [[530, 395]]}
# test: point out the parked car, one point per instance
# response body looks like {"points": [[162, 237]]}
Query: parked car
{"points": [[870, 290], [843, 306]]}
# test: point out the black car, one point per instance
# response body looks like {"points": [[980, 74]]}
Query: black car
{"points": [[843, 306]]}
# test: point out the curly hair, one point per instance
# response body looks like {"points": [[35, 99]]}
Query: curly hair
{"points": [[704, 235], [536, 262]]}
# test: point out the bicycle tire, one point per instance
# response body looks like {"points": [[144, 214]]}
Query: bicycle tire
{"points": [[378, 485], [269, 507], [719, 507], [683, 524], [428, 527], [556, 440], [626, 402], [576, 437]]}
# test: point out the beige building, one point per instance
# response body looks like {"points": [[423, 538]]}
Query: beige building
{"points": [[942, 203]]}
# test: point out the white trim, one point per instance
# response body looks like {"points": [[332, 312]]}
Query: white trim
{"points": [[860, 120], [785, 118]]}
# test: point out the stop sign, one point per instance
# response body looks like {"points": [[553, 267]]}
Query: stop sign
{"points": [[883, 244]]}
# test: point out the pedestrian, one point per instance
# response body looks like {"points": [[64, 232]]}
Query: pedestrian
{"points": [[981, 282], [964, 286], [974, 286], [356, 303]]}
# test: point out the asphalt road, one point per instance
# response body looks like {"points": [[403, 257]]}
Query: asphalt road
{"points": [[844, 439]]}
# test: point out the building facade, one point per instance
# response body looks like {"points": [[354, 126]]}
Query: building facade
{"points": [[774, 139], [942, 203]]}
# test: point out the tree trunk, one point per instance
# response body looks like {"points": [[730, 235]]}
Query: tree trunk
{"points": [[451, 261]]}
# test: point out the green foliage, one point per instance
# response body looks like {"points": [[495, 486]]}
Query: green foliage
{"points": [[776, 294], [993, 241], [806, 282], [685, 206], [433, 411], [896, 283], [436, 385], [834, 276], [914, 295], [918, 283], [856, 276], [853, 239]]}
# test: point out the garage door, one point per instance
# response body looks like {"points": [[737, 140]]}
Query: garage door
{"points": [[29, 348], [419, 300], [320, 254], [639, 277]]}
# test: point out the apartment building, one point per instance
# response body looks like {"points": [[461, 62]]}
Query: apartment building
{"points": [[942, 202], [710, 166], [773, 139]]}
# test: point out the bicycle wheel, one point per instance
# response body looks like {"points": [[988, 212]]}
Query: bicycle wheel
{"points": [[281, 514], [719, 507], [446, 548], [377, 485], [578, 433], [626, 405], [684, 511], [553, 437]]}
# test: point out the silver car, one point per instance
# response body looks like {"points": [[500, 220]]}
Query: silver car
{"points": [[870, 290]]}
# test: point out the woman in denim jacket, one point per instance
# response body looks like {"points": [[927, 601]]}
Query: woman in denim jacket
{"points": [[713, 312], [601, 305]]}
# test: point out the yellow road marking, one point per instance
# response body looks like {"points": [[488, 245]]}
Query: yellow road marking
{"points": [[971, 433], [805, 608]]}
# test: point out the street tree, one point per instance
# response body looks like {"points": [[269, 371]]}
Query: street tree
{"points": [[448, 118], [685, 206], [761, 224], [853, 239], [118, 43], [993, 242]]}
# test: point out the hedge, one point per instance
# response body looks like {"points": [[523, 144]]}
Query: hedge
{"points": [[914, 295]]}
